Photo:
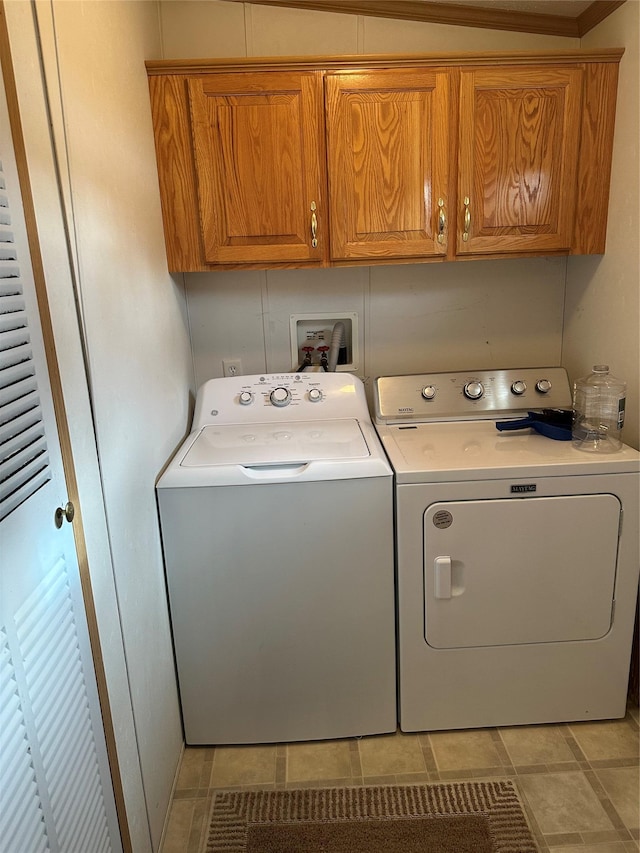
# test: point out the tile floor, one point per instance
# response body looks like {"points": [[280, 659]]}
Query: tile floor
{"points": [[578, 781]]}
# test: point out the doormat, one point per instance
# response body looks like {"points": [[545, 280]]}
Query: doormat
{"points": [[457, 817]]}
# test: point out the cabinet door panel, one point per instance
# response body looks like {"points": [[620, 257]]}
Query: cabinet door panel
{"points": [[388, 155], [258, 154], [518, 155]]}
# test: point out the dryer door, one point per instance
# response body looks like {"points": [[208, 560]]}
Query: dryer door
{"points": [[507, 572]]}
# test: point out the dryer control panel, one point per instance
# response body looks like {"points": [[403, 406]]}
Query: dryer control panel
{"points": [[463, 395]]}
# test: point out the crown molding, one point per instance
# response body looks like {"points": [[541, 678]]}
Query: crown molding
{"points": [[595, 13], [460, 15], [356, 62]]}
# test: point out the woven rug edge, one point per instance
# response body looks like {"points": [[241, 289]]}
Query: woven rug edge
{"points": [[475, 786]]}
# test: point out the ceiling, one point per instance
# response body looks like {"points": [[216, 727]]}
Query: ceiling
{"points": [[571, 18]]}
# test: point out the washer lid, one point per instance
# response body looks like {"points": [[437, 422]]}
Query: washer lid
{"points": [[276, 444]]}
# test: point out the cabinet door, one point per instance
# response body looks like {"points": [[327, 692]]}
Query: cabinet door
{"points": [[388, 156], [259, 157], [518, 157]]}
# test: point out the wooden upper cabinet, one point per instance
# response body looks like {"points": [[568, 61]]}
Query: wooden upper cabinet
{"points": [[519, 144], [351, 160], [241, 167], [260, 169], [388, 163]]}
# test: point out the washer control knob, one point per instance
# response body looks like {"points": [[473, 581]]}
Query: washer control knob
{"points": [[429, 392], [543, 386], [245, 398], [518, 387], [474, 390], [315, 395], [280, 396]]}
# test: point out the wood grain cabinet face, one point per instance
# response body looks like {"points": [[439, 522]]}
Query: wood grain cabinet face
{"points": [[388, 163], [259, 162], [519, 143], [331, 161]]}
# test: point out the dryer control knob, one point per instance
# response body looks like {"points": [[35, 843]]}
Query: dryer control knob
{"points": [[518, 387], [245, 397], [315, 395], [474, 390], [280, 396], [543, 386], [429, 392]]}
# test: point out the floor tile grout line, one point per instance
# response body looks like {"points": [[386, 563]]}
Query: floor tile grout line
{"points": [[581, 747]]}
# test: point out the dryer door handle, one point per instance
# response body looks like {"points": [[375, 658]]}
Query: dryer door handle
{"points": [[442, 577]]}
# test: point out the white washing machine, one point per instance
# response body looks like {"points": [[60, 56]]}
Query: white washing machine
{"points": [[277, 527], [517, 555]]}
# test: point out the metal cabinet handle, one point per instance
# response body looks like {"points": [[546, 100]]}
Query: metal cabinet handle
{"points": [[442, 221], [467, 219], [314, 226]]}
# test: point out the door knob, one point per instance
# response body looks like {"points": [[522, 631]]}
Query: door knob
{"points": [[65, 513]]}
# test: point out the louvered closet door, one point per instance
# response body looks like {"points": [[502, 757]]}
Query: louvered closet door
{"points": [[55, 788]]}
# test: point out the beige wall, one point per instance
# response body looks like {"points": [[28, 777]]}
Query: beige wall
{"points": [[412, 318], [602, 310], [207, 28]]}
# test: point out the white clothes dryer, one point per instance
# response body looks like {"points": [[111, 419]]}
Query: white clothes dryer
{"points": [[277, 527], [517, 555]]}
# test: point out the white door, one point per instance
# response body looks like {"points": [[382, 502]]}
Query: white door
{"points": [[55, 786], [511, 571]]}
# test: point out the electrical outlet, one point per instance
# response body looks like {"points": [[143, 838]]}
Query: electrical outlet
{"points": [[231, 367]]}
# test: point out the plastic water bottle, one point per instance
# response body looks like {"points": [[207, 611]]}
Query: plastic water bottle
{"points": [[598, 411]]}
